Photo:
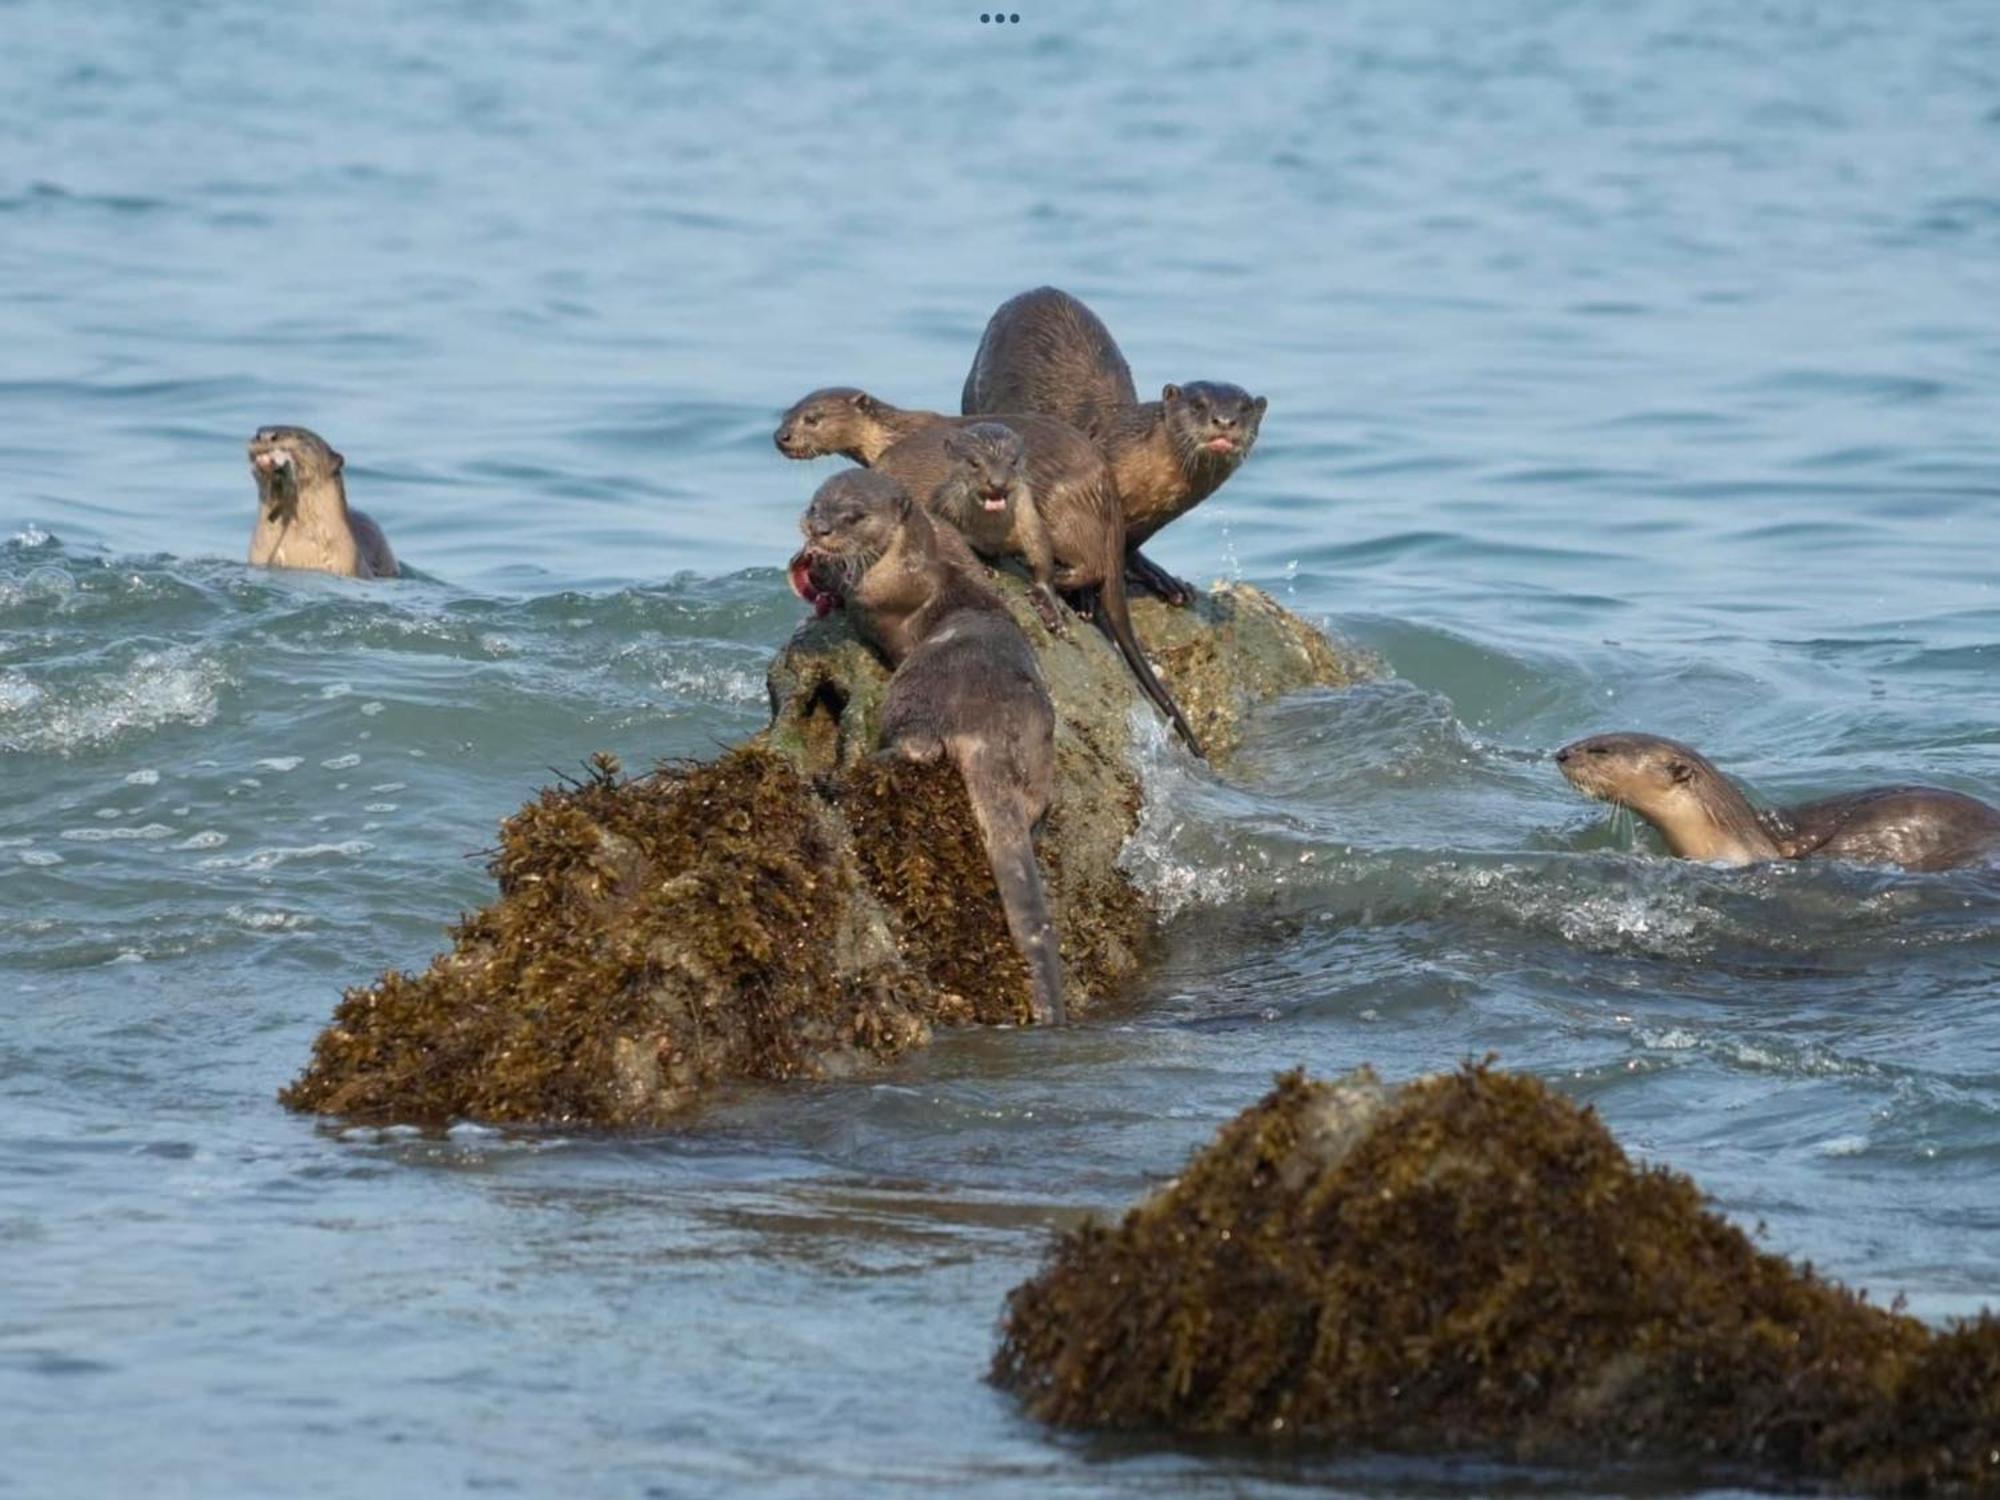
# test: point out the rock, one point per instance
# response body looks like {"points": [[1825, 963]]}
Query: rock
{"points": [[793, 909], [1470, 1263]]}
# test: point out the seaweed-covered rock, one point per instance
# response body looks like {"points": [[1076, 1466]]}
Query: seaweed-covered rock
{"points": [[652, 938], [1471, 1263], [792, 910], [1232, 651]]}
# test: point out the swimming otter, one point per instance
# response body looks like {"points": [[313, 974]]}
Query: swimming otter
{"points": [[1069, 489], [965, 684], [303, 519], [1702, 816], [1044, 351]]}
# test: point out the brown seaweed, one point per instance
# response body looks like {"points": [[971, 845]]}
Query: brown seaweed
{"points": [[1471, 1263]]}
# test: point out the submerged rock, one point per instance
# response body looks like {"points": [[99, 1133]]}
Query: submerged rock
{"points": [[1471, 1263], [794, 909]]}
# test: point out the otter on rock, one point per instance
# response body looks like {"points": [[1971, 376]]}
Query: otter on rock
{"points": [[1044, 351], [986, 498], [965, 684], [1068, 490], [1703, 816], [303, 519]]}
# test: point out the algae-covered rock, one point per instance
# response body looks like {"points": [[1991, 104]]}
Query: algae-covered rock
{"points": [[652, 938], [1472, 1263], [793, 910], [1232, 651]]}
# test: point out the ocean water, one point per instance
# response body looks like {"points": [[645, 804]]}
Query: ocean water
{"points": [[1629, 367]]}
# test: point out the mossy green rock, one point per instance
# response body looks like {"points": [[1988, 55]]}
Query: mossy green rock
{"points": [[1471, 1264], [791, 910]]}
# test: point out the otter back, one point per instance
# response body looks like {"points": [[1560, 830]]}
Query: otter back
{"points": [[1044, 351]]}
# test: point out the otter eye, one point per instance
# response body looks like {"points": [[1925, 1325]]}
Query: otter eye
{"points": [[810, 419], [1599, 750]]}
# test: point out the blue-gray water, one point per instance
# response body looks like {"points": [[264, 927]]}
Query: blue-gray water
{"points": [[1629, 367]]}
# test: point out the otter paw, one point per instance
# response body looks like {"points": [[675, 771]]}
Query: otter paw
{"points": [[1045, 606], [1162, 584]]}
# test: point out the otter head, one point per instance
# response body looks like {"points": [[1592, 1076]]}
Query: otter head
{"points": [[1638, 771], [288, 461], [1699, 813], [989, 474], [852, 522], [837, 419], [1211, 421]]}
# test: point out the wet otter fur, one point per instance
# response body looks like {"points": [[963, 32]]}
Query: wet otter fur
{"points": [[303, 518], [964, 685], [986, 497], [1068, 496], [1702, 815], [1045, 351]]}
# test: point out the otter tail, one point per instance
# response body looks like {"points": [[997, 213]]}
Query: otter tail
{"points": [[1115, 615], [1010, 847]]}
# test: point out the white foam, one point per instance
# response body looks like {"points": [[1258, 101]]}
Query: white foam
{"points": [[155, 688], [40, 857], [17, 693], [264, 859], [1153, 856], [342, 762], [147, 777], [262, 920], [281, 763], [106, 835], [208, 838]]}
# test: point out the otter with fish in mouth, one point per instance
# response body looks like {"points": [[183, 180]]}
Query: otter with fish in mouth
{"points": [[303, 519], [1056, 490], [965, 686], [1702, 815]]}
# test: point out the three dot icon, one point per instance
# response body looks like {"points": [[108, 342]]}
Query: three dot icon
{"points": [[999, 18]]}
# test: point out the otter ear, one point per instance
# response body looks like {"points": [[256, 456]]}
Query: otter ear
{"points": [[1171, 393], [1261, 403], [339, 463], [1679, 772], [863, 402]]}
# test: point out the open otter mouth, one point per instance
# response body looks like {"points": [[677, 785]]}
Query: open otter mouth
{"points": [[823, 601], [1220, 444], [994, 500]]}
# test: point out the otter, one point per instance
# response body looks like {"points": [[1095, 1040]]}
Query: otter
{"points": [[1703, 816], [986, 498], [303, 519], [964, 684], [1044, 351], [1068, 489]]}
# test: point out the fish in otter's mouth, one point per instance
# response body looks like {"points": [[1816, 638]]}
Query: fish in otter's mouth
{"points": [[277, 474], [812, 580]]}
